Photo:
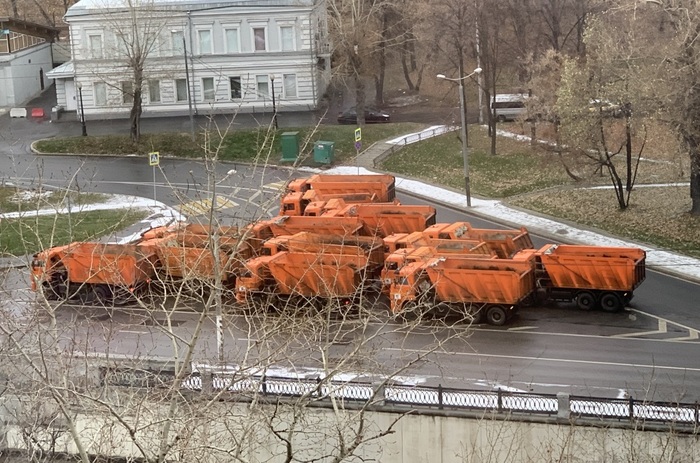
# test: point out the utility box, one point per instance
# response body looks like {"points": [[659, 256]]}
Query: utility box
{"points": [[290, 146], [323, 152]]}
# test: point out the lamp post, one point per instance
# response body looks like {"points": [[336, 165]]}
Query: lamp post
{"points": [[82, 110], [465, 150], [187, 82], [274, 106]]}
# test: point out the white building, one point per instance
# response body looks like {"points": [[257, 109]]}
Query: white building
{"points": [[211, 56], [25, 60]]}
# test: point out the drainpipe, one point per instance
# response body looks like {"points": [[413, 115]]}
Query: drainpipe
{"points": [[189, 32]]}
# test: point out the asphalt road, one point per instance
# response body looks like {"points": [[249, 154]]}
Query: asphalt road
{"points": [[650, 350]]}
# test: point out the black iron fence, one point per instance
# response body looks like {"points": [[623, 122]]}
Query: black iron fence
{"points": [[416, 397]]}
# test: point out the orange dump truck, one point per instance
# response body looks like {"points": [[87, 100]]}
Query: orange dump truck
{"points": [[474, 287], [93, 272], [386, 219], [505, 243], [590, 275], [437, 248], [323, 187], [308, 275], [328, 244], [291, 225]]}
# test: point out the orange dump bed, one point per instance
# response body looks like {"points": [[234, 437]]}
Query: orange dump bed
{"points": [[387, 219], [291, 225], [380, 186], [311, 274], [113, 264], [493, 281], [593, 267], [505, 243]]}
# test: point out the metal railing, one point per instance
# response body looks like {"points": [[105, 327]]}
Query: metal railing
{"points": [[416, 397]]}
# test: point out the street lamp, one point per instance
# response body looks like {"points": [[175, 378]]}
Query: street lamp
{"points": [[82, 110], [274, 106], [465, 150]]}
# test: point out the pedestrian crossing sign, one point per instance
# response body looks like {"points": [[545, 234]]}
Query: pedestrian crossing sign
{"points": [[153, 158]]}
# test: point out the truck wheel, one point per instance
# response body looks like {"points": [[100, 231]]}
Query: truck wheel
{"points": [[585, 300], [610, 302], [501, 118], [496, 315]]}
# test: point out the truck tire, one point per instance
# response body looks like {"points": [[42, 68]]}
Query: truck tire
{"points": [[585, 300], [496, 315], [610, 302], [500, 118]]}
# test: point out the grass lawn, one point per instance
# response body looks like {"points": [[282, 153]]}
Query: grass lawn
{"points": [[257, 145], [31, 234], [516, 169], [17, 199]]}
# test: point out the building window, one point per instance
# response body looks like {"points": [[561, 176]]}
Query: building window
{"points": [[262, 86], [259, 38], [181, 90], [100, 91], [204, 39], [235, 83], [208, 89], [177, 43], [95, 44], [290, 85], [154, 91], [287, 38], [127, 92], [233, 43]]}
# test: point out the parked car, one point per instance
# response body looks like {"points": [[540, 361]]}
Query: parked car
{"points": [[372, 116], [606, 107]]}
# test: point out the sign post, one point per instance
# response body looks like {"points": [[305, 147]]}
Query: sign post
{"points": [[358, 146], [154, 161]]}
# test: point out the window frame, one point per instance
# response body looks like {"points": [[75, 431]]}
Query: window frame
{"points": [[127, 97], [180, 49], [296, 85], [150, 92], [240, 88], [90, 51], [262, 95], [199, 41], [293, 38], [254, 42], [212, 90], [187, 91], [103, 86], [237, 30]]}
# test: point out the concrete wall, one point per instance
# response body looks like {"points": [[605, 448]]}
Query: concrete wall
{"points": [[213, 431], [20, 74]]}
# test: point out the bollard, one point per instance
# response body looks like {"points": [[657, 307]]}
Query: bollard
{"points": [[563, 406]]}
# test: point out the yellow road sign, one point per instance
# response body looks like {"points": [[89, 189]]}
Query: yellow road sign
{"points": [[358, 134], [154, 158]]}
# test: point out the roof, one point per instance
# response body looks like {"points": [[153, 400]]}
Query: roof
{"points": [[502, 97], [86, 7], [64, 70], [28, 28]]}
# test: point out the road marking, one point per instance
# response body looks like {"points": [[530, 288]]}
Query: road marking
{"points": [[692, 332], [663, 328], [203, 206], [277, 186], [134, 332], [549, 359], [521, 328]]}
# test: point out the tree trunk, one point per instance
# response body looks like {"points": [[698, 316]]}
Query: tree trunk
{"points": [[406, 71], [381, 61], [694, 151], [15, 13], [137, 106], [628, 151]]}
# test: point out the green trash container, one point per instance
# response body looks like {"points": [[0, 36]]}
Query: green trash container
{"points": [[323, 152], [290, 146]]}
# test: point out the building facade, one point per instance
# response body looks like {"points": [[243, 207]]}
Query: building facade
{"points": [[25, 60], [200, 56]]}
